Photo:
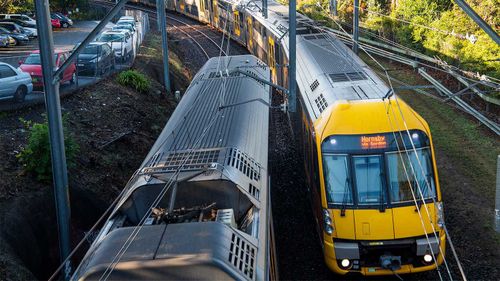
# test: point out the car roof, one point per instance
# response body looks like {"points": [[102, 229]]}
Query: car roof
{"points": [[55, 52], [113, 32]]}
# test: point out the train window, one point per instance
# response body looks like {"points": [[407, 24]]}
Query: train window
{"points": [[270, 57], [237, 31], [410, 171], [369, 179], [338, 187]]}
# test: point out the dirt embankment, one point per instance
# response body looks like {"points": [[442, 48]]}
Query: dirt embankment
{"points": [[115, 127]]}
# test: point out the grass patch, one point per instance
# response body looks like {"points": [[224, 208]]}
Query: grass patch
{"points": [[135, 80]]}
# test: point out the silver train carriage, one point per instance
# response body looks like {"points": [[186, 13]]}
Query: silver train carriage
{"points": [[199, 206]]}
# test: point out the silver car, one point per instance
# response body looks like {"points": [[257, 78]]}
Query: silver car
{"points": [[15, 83]]}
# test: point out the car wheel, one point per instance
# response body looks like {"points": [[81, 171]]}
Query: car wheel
{"points": [[20, 93], [73, 78], [65, 25]]}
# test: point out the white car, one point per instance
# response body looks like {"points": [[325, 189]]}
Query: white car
{"points": [[24, 18], [120, 41], [15, 83]]}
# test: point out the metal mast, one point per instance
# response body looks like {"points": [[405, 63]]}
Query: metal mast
{"points": [[56, 135], [475, 17], [292, 38], [162, 21], [355, 30]]}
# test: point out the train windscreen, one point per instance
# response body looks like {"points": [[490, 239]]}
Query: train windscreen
{"points": [[374, 170]]}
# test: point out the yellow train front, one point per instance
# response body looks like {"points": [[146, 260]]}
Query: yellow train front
{"points": [[375, 189]]}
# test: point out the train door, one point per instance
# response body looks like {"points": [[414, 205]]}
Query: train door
{"points": [[215, 13], [271, 58], [236, 24], [250, 34], [182, 6]]}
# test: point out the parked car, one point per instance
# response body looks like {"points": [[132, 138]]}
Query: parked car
{"points": [[64, 20], [16, 38], [56, 23], [120, 42], [15, 83], [32, 65], [24, 18], [126, 23], [26, 26], [97, 58], [4, 40], [15, 28]]}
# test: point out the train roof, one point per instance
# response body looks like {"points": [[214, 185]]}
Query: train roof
{"points": [[328, 72], [215, 148], [186, 251], [221, 123]]}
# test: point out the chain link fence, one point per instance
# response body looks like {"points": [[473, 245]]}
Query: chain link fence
{"points": [[113, 51]]}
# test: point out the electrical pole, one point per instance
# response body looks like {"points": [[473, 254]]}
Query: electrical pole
{"points": [[264, 8], [292, 62], [475, 17], [162, 19], [497, 198], [333, 8], [56, 135], [355, 30]]}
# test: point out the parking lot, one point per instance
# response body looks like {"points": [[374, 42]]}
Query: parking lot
{"points": [[65, 40]]}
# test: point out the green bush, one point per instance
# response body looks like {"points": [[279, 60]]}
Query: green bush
{"points": [[135, 80], [35, 156]]}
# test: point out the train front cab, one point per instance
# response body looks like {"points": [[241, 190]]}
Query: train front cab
{"points": [[368, 219]]}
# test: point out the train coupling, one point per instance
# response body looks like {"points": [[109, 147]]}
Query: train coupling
{"points": [[392, 263]]}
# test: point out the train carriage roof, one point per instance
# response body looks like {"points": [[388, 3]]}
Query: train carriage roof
{"points": [[328, 72]]}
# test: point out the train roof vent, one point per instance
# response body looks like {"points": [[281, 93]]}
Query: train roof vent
{"points": [[242, 256], [321, 103], [243, 163], [350, 76], [254, 191], [217, 74], [314, 85], [186, 161]]}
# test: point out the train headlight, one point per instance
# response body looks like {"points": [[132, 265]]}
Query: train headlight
{"points": [[427, 258], [345, 263], [327, 222], [440, 214]]}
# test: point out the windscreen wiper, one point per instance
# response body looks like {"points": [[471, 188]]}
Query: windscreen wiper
{"points": [[382, 185], [344, 199]]}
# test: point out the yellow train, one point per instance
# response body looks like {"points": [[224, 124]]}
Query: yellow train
{"points": [[369, 157]]}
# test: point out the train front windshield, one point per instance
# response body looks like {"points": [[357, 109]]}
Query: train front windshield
{"points": [[373, 170]]}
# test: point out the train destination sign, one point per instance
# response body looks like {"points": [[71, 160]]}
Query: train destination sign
{"points": [[373, 142]]}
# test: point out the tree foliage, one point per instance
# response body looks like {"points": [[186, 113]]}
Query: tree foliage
{"points": [[35, 156], [435, 27]]}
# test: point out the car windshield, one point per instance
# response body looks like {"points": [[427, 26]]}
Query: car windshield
{"points": [[90, 49], [376, 169], [34, 59], [110, 38]]}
